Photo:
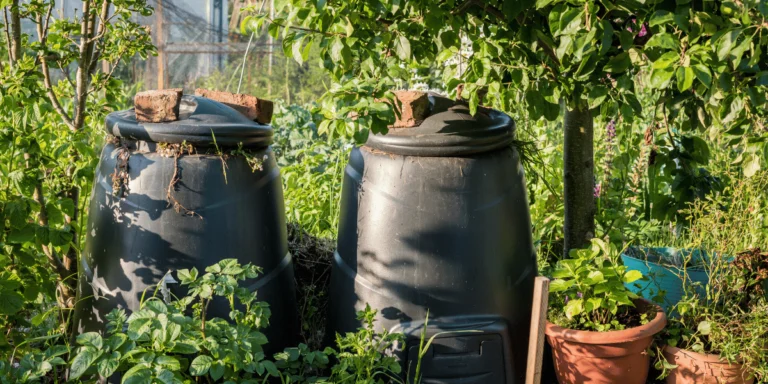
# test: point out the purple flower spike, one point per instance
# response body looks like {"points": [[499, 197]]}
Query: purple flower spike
{"points": [[579, 295], [598, 190], [611, 130]]}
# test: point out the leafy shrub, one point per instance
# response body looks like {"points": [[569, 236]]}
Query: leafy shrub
{"points": [[728, 316], [312, 169], [162, 342], [588, 291]]}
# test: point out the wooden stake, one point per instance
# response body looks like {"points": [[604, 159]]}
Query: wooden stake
{"points": [[536, 337]]}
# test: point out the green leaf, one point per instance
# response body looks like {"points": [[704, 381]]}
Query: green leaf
{"points": [[607, 39], [138, 374], [574, 307], [725, 43], [92, 339], [597, 95], [403, 47], [751, 165], [660, 78], [666, 61], [10, 302], [593, 304], [108, 364], [82, 361], [618, 63], [23, 235], [703, 74], [168, 362], [661, 17], [200, 365], [632, 276], [704, 327], [217, 370], [271, 368], [685, 78], [559, 285], [594, 277], [663, 40]]}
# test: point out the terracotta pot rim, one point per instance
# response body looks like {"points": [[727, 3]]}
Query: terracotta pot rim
{"points": [[704, 357], [611, 337]]}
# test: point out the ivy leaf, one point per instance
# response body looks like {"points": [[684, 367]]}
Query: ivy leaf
{"points": [[403, 47], [200, 365]]}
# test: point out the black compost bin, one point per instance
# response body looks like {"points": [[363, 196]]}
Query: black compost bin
{"points": [[135, 236], [435, 219]]}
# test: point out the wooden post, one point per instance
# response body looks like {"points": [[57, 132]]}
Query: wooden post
{"points": [[160, 45], [536, 337]]}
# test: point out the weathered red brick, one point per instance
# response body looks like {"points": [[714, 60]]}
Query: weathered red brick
{"points": [[157, 106], [250, 106], [414, 108]]}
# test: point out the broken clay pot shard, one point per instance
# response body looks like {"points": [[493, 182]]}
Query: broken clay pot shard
{"points": [[252, 107], [157, 106]]}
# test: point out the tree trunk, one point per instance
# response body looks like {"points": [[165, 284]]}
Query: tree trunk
{"points": [[15, 32], [579, 179]]}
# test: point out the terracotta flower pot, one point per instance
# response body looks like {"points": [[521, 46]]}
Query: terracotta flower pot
{"points": [[604, 357], [699, 368]]}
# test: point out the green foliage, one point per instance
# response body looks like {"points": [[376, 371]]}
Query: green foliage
{"points": [[312, 170], [162, 343], [728, 316], [588, 292]]}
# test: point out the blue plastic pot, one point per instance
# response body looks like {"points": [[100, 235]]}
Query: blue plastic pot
{"points": [[667, 270]]}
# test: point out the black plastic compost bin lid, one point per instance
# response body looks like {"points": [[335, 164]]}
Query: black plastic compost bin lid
{"points": [[200, 119], [450, 130]]}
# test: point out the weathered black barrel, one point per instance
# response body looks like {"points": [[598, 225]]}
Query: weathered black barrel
{"points": [[434, 219], [220, 207]]}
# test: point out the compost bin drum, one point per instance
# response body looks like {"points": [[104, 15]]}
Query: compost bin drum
{"points": [[434, 221], [219, 208]]}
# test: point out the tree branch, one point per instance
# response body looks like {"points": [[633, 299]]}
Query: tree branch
{"points": [[103, 20], [8, 36], [84, 65], [42, 35]]}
